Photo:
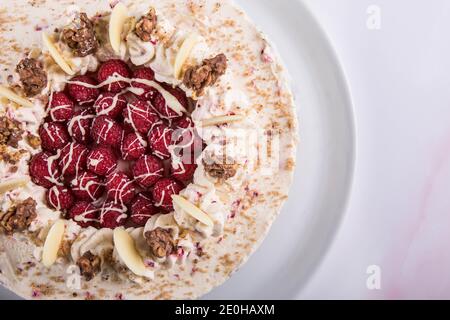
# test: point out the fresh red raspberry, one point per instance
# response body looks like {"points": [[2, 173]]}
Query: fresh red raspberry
{"points": [[102, 161], [120, 188], [160, 139], [44, 170], [83, 89], [183, 123], [164, 109], [54, 136], [163, 191], [110, 104], [183, 171], [79, 126], [147, 170], [106, 131], [140, 116], [133, 146], [60, 107], [142, 209], [113, 215], [87, 186], [85, 214], [110, 70], [144, 73], [73, 159], [59, 198], [186, 137]]}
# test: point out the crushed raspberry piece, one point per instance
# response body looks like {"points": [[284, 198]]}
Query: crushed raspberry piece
{"points": [[163, 108], [160, 139], [139, 77], [85, 214], [109, 71], [87, 186], [106, 131], [60, 198], [44, 170], [83, 89], [60, 107], [140, 116], [110, 104], [163, 191], [113, 215], [102, 161], [120, 188], [133, 146], [142, 209], [73, 159], [147, 170], [79, 126], [53, 135], [183, 171]]}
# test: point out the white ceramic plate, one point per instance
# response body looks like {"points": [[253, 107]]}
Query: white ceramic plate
{"points": [[301, 235]]}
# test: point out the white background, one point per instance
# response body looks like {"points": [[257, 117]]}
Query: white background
{"points": [[399, 212]]}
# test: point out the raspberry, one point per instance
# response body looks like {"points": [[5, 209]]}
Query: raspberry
{"points": [[60, 107], [59, 198], [186, 136], [133, 146], [84, 213], [101, 161], [147, 170], [120, 188], [160, 139], [44, 170], [183, 171], [140, 116], [163, 108], [110, 104], [79, 126], [73, 159], [53, 135], [113, 215], [142, 209], [106, 131], [183, 123], [83, 89], [87, 186], [113, 69], [163, 191], [144, 73]]}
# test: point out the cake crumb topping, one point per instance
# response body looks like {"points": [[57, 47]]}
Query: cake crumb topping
{"points": [[10, 132], [206, 74], [160, 242], [90, 265], [18, 218], [146, 25], [221, 171], [80, 36], [32, 76]]}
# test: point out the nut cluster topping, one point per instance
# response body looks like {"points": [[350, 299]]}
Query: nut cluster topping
{"points": [[18, 218], [90, 265], [160, 242], [32, 76], [206, 74], [146, 25], [80, 36], [10, 132], [220, 171]]}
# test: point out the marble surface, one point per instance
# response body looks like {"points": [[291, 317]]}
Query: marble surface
{"points": [[398, 222]]}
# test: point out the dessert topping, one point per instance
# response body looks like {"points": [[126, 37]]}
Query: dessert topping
{"points": [[221, 171], [80, 36], [32, 76], [146, 25], [10, 132], [90, 265], [160, 242], [19, 217], [206, 74]]}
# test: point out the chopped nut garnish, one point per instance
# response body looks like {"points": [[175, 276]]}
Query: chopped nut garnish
{"points": [[220, 171], [10, 132], [80, 36], [11, 157], [205, 75], [160, 242], [18, 218], [32, 76], [146, 25], [33, 141], [90, 265]]}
